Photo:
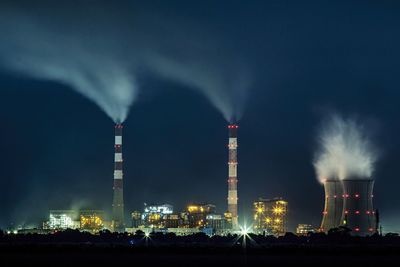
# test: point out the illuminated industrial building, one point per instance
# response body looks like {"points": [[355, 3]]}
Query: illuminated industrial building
{"points": [[136, 217], [158, 209], [153, 215], [197, 214], [270, 216], [62, 219], [92, 220], [304, 229], [172, 221], [228, 220], [215, 221]]}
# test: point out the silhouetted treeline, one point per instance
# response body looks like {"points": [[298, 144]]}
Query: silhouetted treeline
{"points": [[69, 236]]}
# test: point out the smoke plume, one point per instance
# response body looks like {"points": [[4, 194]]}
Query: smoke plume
{"points": [[202, 61], [345, 151], [70, 52], [97, 49]]}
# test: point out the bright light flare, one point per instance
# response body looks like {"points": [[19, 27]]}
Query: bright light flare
{"points": [[244, 230]]}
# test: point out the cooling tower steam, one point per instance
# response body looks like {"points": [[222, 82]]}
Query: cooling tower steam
{"points": [[69, 51], [345, 151]]}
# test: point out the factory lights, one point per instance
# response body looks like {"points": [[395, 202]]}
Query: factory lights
{"points": [[60, 221], [270, 216]]}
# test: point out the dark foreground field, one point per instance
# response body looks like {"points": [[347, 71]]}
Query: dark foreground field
{"points": [[77, 249], [99, 256]]}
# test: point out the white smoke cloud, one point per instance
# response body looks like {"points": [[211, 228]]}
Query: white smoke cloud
{"points": [[345, 151]]}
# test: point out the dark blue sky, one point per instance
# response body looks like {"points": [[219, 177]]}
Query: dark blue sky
{"points": [[306, 61]]}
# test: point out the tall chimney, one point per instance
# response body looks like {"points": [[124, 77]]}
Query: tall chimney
{"points": [[232, 180], [118, 224]]}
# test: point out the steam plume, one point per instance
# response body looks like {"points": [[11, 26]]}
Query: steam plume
{"points": [[88, 65], [225, 88], [345, 151], [201, 60], [94, 49]]}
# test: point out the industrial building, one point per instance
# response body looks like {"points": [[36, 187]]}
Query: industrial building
{"points": [[270, 216], [228, 220], [92, 220], [195, 218], [197, 214], [62, 219], [86, 220], [304, 229], [215, 221], [172, 221], [157, 209], [136, 217], [153, 215]]}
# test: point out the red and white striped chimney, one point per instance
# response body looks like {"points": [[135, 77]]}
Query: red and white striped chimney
{"points": [[232, 180], [118, 224]]}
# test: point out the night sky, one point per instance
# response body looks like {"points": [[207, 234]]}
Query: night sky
{"points": [[306, 61]]}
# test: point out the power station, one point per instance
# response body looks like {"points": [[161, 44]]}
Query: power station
{"points": [[118, 224], [232, 179]]}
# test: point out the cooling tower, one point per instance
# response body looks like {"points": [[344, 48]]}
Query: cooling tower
{"points": [[232, 173], [358, 212], [118, 197], [333, 209]]}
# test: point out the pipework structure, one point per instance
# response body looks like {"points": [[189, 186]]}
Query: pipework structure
{"points": [[232, 179], [118, 224]]}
